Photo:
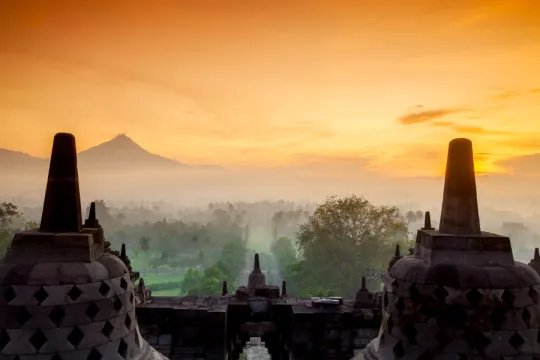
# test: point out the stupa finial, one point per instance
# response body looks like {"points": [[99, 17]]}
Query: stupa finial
{"points": [[62, 206], [459, 214]]}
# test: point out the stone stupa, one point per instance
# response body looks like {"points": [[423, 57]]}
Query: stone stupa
{"points": [[61, 296], [460, 295], [256, 278]]}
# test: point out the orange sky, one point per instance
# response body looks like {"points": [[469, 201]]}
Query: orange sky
{"points": [[241, 83]]}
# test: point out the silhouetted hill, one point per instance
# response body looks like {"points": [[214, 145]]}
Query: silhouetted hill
{"points": [[19, 161], [120, 153]]}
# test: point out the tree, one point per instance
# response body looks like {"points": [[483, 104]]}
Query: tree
{"points": [[283, 251], [414, 216], [346, 236], [11, 221], [144, 243]]}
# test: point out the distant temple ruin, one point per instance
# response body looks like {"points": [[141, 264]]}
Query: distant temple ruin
{"points": [[65, 295]]}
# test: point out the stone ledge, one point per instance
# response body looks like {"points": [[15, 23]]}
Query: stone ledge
{"points": [[434, 240], [36, 247]]}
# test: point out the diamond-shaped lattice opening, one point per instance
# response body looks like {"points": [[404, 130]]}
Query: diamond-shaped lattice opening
{"points": [[385, 300], [117, 304], [127, 322], [398, 350], [56, 357], [41, 295], [453, 316], [533, 295], [382, 339], [75, 337], [443, 338], [390, 325], [516, 340], [123, 284], [94, 355], [498, 317], [131, 298], [123, 349], [475, 339], [508, 298], [395, 283], [9, 294], [474, 296], [428, 310], [57, 315], [74, 293], [410, 331], [23, 316], [4, 339], [425, 356], [38, 340], [440, 293], [107, 329], [526, 317], [414, 291], [137, 340], [104, 289], [91, 311], [400, 306]]}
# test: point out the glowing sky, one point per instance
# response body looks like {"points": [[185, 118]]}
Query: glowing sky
{"points": [[239, 83]]}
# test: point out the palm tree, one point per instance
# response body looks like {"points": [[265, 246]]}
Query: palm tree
{"points": [[144, 243]]}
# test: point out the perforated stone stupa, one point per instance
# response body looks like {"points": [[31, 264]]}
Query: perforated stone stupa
{"points": [[61, 296], [460, 295]]}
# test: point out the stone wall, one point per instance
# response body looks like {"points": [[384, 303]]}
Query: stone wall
{"points": [[211, 327]]}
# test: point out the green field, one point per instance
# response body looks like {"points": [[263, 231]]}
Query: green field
{"points": [[151, 279]]}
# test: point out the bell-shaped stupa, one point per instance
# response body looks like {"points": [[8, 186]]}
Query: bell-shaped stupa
{"points": [[460, 295], [61, 296]]}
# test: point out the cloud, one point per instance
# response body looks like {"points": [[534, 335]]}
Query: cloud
{"points": [[442, 123], [425, 116], [525, 165], [465, 129], [524, 142], [479, 130], [511, 94]]}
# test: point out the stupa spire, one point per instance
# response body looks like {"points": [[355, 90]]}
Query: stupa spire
{"points": [[92, 212], [427, 221], [62, 205], [256, 264], [459, 214]]}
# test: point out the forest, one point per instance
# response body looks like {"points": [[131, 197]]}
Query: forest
{"points": [[320, 250]]}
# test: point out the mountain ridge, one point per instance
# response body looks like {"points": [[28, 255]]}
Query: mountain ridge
{"points": [[118, 153]]}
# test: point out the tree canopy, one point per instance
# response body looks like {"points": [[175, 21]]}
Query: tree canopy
{"points": [[343, 240]]}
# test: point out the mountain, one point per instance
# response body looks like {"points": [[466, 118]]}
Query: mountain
{"points": [[16, 160], [123, 152], [120, 153]]}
